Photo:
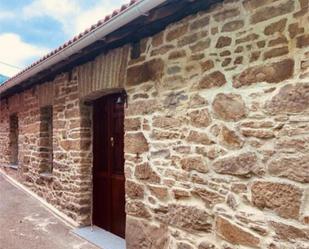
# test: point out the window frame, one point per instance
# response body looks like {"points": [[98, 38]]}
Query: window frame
{"points": [[14, 135], [46, 136]]}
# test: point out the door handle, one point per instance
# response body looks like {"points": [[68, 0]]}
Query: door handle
{"points": [[112, 141]]}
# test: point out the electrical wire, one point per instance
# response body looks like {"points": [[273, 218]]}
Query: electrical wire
{"points": [[9, 65]]}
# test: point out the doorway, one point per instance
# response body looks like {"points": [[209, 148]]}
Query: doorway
{"points": [[108, 164]]}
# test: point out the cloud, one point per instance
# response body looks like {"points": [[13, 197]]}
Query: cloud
{"points": [[63, 11], [58, 9], [73, 16], [6, 15], [14, 51], [91, 16]]}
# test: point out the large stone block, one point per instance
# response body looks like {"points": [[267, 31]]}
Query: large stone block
{"points": [[197, 100], [145, 173], [235, 234], [244, 164], [210, 198], [199, 138], [200, 46], [69, 145], [132, 124], [159, 192], [143, 235], [176, 32], [134, 190], [248, 38], [188, 39], [303, 41], [288, 232], [292, 144], [175, 99], [275, 27], [206, 245], [276, 52], [270, 73], [142, 107], [165, 122], [284, 199], [207, 65], [289, 99], [215, 79], [161, 135], [137, 209], [189, 218], [258, 133], [177, 54], [200, 118], [254, 4], [226, 14], [294, 168], [149, 71], [272, 11], [162, 50], [229, 138], [200, 23], [183, 245], [135, 143], [194, 163], [181, 194], [229, 107], [233, 26], [223, 41]]}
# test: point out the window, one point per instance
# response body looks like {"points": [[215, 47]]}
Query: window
{"points": [[46, 139], [13, 138]]}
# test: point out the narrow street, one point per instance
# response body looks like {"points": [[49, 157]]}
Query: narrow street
{"points": [[26, 224]]}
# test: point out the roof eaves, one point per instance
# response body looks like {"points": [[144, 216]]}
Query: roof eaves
{"points": [[76, 39]]}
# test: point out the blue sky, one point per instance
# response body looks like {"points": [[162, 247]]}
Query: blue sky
{"points": [[31, 28]]}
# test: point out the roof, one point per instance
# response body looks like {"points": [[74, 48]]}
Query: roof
{"points": [[78, 37], [131, 22]]}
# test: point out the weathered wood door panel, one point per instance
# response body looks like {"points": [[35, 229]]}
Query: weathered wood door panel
{"points": [[108, 164]]}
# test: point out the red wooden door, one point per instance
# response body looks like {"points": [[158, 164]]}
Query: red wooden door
{"points": [[108, 164]]}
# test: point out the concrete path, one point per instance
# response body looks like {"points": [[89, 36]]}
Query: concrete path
{"points": [[26, 224]]}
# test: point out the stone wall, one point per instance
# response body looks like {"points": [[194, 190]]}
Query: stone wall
{"points": [[217, 131], [217, 138], [68, 187]]}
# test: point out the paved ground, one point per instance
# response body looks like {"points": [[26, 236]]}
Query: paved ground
{"points": [[26, 224]]}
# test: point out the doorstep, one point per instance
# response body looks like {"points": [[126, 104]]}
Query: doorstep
{"points": [[100, 237]]}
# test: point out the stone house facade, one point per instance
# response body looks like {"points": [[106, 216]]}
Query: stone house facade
{"points": [[216, 142]]}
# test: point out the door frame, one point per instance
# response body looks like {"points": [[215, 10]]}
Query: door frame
{"points": [[93, 101]]}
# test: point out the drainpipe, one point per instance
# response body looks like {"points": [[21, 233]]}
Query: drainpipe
{"points": [[134, 11]]}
